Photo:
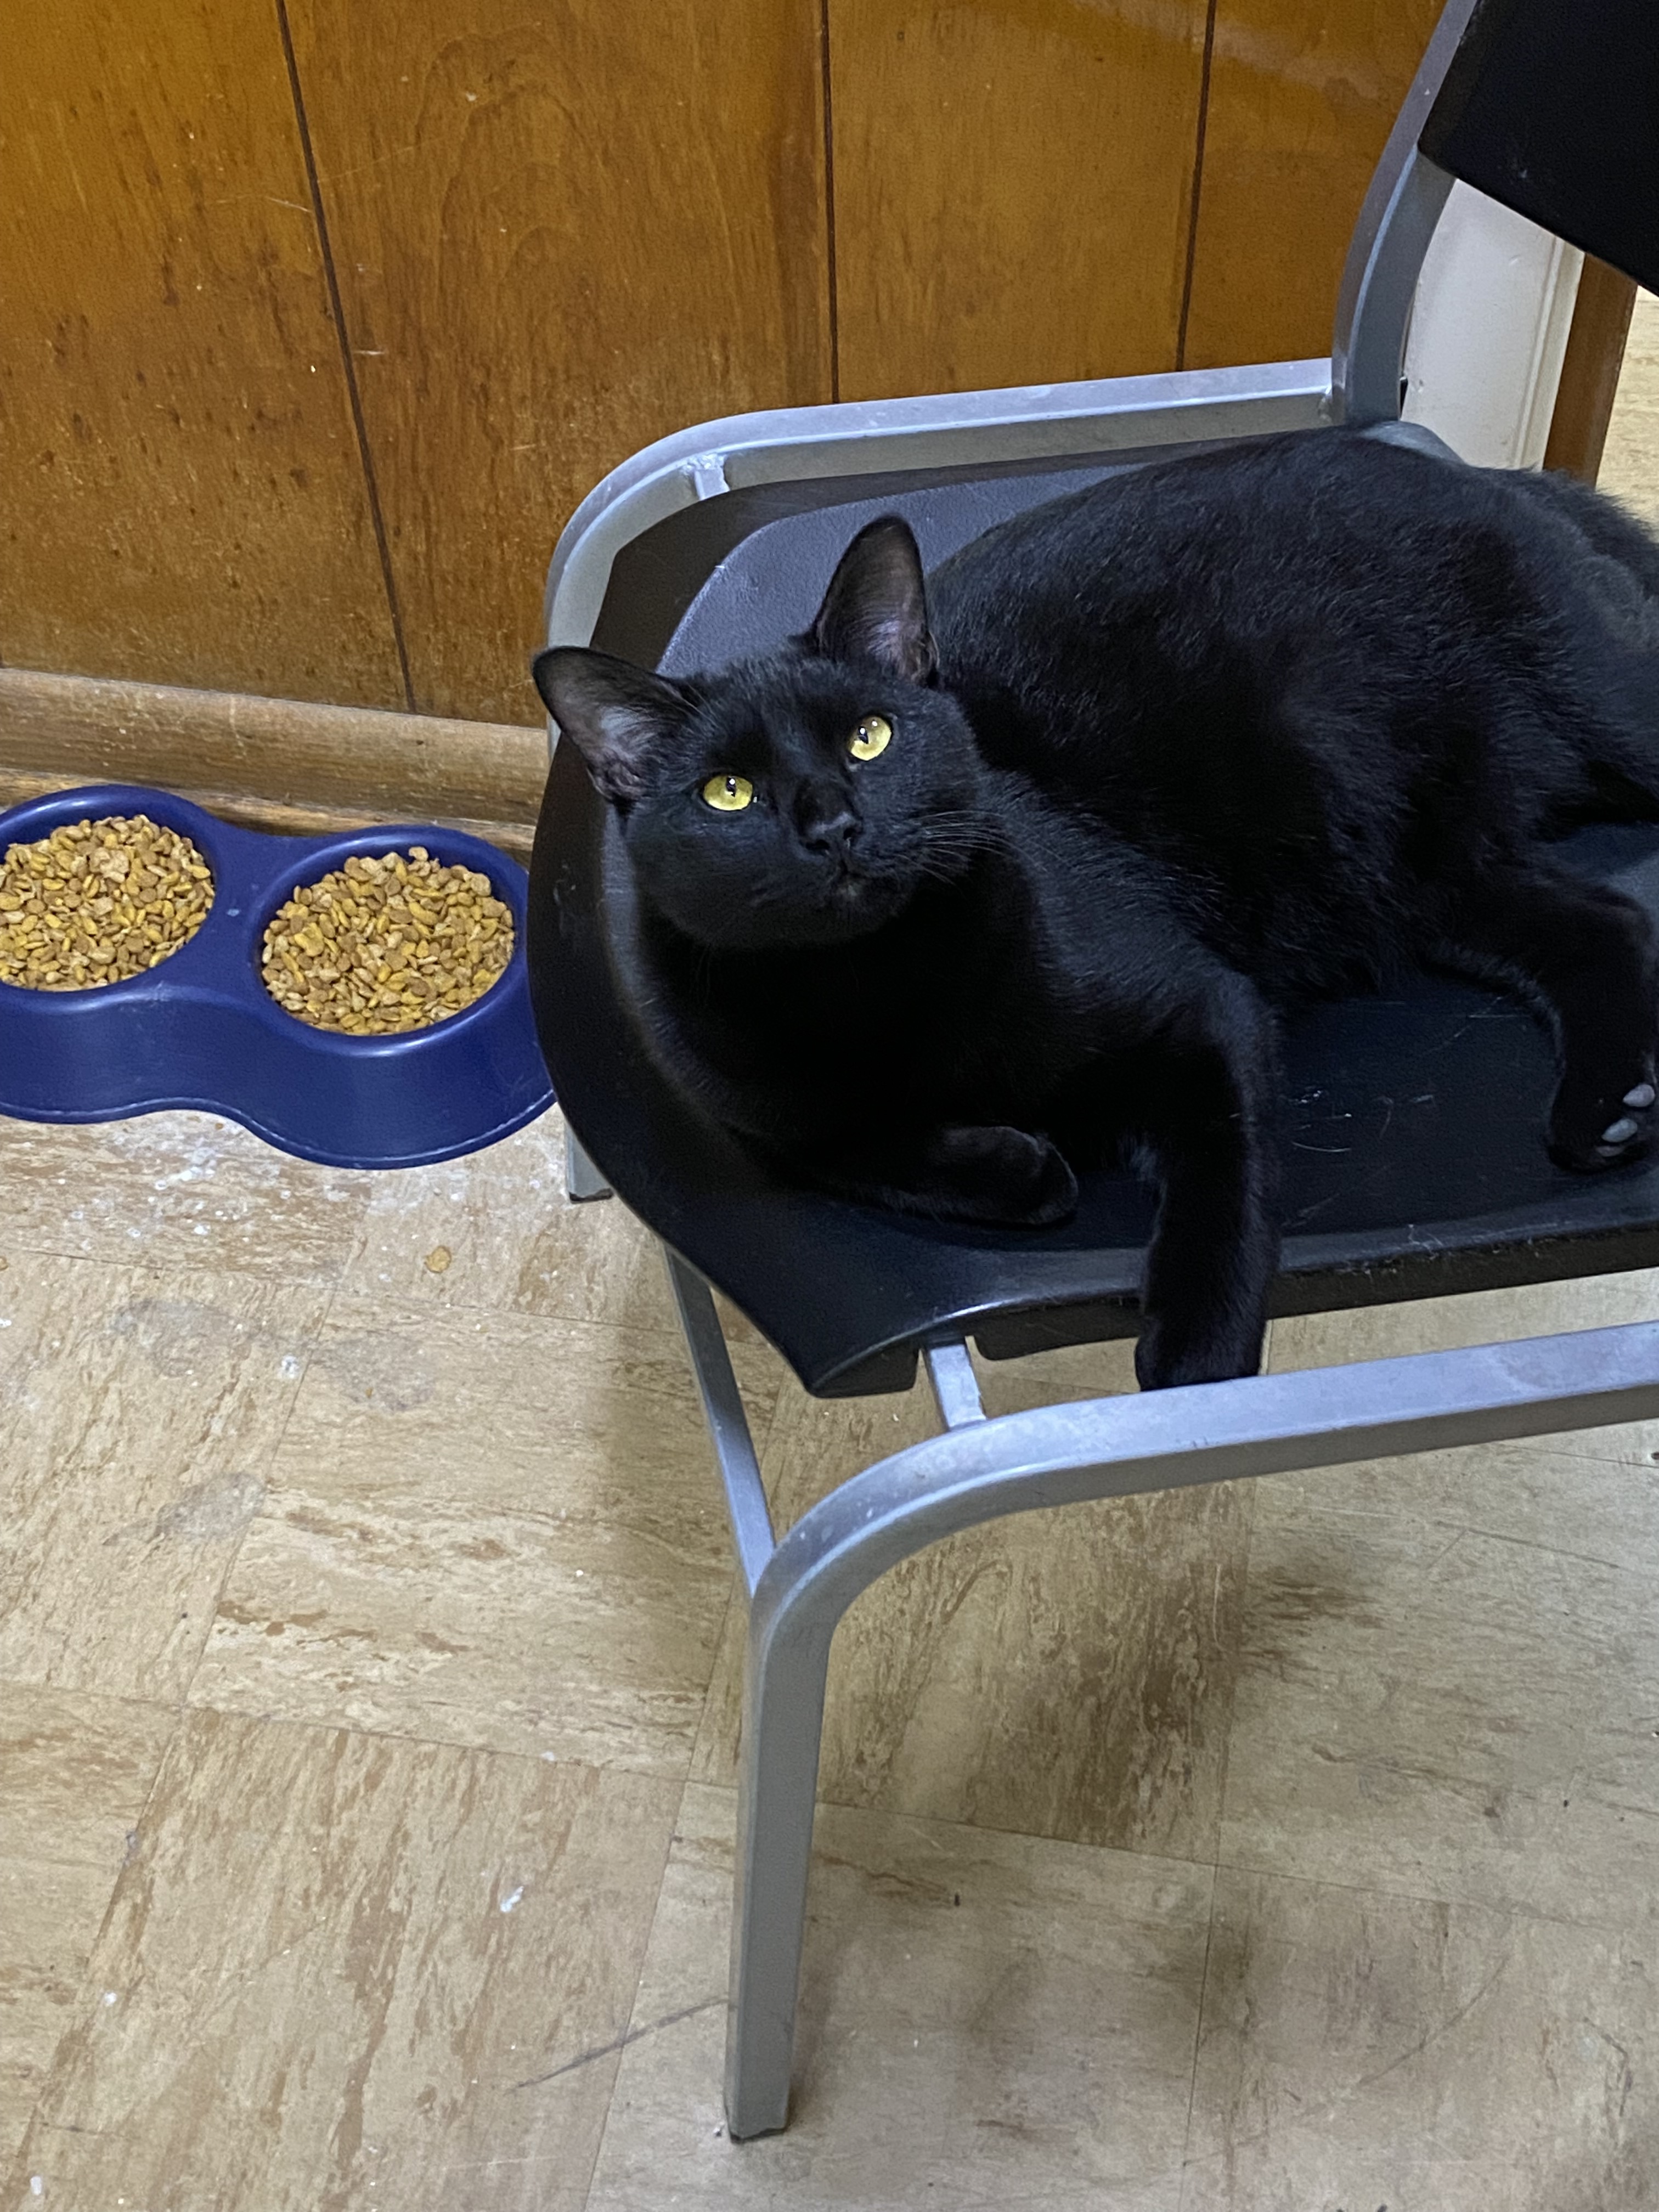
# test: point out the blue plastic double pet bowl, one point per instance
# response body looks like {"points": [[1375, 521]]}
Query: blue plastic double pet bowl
{"points": [[200, 1029]]}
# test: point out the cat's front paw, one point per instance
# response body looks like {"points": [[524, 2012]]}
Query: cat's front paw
{"points": [[1003, 1177], [1167, 1357], [1602, 1124]]}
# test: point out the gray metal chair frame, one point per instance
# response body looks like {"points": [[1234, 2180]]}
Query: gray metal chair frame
{"points": [[799, 1587]]}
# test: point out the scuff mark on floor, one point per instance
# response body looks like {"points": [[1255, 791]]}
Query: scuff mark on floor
{"points": [[620, 2042]]}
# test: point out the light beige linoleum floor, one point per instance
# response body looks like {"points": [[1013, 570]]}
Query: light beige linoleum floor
{"points": [[368, 1672]]}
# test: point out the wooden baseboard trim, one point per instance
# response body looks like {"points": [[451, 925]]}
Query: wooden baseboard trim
{"points": [[279, 764]]}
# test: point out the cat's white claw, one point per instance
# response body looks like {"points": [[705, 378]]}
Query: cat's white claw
{"points": [[1620, 1132], [1641, 1098]]}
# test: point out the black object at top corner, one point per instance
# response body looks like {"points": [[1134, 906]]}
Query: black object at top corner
{"points": [[1552, 107]]}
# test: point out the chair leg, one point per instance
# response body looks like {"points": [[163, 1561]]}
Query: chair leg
{"points": [[782, 1723], [582, 1179], [980, 1470]]}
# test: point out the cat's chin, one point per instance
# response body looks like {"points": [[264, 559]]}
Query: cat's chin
{"points": [[856, 907]]}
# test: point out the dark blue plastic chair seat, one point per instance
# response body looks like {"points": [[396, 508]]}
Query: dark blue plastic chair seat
{"points": [[1416, 1164]]}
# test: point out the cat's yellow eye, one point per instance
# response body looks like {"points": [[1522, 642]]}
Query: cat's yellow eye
{"points": [[873, 735], [728, 795]]}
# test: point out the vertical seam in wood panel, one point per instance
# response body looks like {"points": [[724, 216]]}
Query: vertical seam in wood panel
{"points": [[1198, 187], [829, 200], [372, 490]]}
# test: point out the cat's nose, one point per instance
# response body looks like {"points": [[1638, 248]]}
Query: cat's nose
{"points": [[827, 823]]}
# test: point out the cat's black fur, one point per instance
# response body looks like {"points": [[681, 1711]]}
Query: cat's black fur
{"points": [[1169, 755]]}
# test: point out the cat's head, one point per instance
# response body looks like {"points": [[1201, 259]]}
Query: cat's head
{"points": [[800, 799]]}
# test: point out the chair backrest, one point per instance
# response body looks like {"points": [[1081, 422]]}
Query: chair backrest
{"points": [[1552, 107], [1549, 106]]}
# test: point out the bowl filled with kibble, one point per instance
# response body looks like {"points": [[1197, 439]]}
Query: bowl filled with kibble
{"points": [[359, 1000]]}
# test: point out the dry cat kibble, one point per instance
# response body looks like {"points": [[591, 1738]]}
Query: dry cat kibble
{"points": [[97, 902], [380, 945]]}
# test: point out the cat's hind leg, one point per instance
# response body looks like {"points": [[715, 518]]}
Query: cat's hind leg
{"points": [[1590, 958]]}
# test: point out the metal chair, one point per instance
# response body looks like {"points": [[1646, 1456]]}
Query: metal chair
{"points": [[1417, 1166]]}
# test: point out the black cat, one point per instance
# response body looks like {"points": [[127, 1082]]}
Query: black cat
{"points": [[1027, 863]]}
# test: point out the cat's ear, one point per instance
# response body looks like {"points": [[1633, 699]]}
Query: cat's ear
{"points": [[875, 607], [615, 714]]}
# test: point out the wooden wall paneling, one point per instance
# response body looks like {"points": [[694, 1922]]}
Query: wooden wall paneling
{"points": [[183, 496], [561, 228], [1589, 373], [1302, 94], [1012, 188]]}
